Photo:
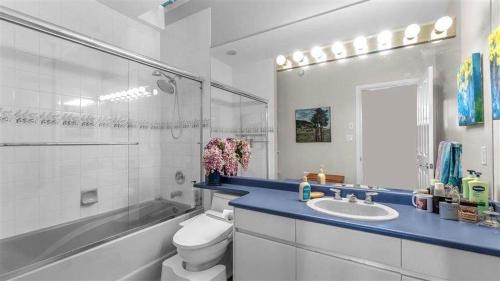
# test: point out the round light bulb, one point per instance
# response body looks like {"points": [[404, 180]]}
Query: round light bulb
{"points": [[317, 52], [384, 38], [443, 24], [281, 60], [338, 49], [360, 44], [412, 31], [298, 56]]}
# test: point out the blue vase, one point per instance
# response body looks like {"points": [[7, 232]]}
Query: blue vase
{"points": [[213, 178]]}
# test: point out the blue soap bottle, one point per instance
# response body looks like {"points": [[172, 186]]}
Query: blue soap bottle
{"points": [[304, 189]]}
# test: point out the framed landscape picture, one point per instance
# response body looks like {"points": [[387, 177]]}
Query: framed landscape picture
{"points": [[313, 125], [470, 91]]}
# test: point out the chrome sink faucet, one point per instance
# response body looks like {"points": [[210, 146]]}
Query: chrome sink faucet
{"points": [[336, 194], [352, 198], [369, 197]]}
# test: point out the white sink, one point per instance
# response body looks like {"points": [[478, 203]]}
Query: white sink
{"points": [[353, 210]]}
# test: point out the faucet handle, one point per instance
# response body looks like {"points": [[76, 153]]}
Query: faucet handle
{"points": [[336, 193], [369, 197]]}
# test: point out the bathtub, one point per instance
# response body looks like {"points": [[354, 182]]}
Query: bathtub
{"points": [[53, 253]]}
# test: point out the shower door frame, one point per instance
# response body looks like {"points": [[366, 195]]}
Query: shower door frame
{"points": [[248, 95]]}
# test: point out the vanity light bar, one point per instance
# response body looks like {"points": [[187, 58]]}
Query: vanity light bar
{"points": [[413, 34]]}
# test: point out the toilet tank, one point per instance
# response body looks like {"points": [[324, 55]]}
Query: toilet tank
{"points": [[220, 201]]}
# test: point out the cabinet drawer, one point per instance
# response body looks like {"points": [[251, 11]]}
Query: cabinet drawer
{"points": [[260, 259], [447, 263], [314, 266], [265, 224], [367, 246]]}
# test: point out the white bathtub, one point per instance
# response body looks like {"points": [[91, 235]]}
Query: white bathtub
{"points": [[136, 256]]}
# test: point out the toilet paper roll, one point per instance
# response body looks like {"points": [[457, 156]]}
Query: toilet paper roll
{"points": [[228, 214]]}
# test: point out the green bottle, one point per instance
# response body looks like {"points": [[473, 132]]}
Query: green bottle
{"points": [[479, 192], [465, 183]]}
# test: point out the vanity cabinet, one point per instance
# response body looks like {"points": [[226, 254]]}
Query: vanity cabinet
{"points": [[261, 259], [269, 247]]}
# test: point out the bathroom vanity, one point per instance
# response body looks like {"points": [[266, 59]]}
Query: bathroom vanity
{"points": [[270, 247], [277, 237]]}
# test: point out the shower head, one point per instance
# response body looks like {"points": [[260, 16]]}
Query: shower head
{"points": [[168, 86]]}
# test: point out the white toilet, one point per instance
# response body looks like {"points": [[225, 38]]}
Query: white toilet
{"points": [[202, 245]]}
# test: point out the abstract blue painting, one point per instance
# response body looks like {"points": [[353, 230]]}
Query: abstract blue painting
{"points": [[470, 91], [494, 44]]}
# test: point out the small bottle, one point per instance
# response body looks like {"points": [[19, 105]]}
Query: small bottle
{"points": [[465, 183], [479, 193], [321, 176], [304, 189]]}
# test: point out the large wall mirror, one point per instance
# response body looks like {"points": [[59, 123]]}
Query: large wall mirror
{"points": [[392, 109]]}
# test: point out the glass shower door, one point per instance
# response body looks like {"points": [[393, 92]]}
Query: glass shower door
{"points": [[237, 116], [254, 130]]}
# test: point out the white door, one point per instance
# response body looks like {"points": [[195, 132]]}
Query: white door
{"points": [[425, 129]]}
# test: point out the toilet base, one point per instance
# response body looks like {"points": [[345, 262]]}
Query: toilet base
{"points": [[172, 270]]}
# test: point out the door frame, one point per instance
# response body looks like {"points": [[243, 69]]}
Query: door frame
{"points": [[359, 116]]}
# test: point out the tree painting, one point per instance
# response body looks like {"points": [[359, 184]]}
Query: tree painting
{"points": [[313, 125]]}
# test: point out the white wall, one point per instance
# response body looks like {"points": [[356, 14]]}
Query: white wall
{"points": [[186, 44], [221, 72], [473, 31]]}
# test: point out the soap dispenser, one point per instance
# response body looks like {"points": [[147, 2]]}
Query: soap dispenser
{"points": [[465, 183], [479, 193], [304, 189], [321, 176]]}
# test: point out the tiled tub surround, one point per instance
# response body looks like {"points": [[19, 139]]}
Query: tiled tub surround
{"points": [[49, 92], [280, 198]]}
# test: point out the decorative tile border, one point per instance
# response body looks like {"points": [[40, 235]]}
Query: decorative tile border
{"points": [[73, 120]]}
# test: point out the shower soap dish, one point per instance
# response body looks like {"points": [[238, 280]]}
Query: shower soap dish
{"points": [[88, 197]]}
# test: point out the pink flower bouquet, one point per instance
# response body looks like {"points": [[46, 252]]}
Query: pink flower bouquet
{"points": [[225, 155]]}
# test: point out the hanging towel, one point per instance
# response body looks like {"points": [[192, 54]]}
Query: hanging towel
{"points": [[449, 163]]}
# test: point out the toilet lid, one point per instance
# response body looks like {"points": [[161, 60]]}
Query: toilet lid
{"points": [[201, 232]]}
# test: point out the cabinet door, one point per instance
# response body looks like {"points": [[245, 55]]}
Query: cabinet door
{"points": [[447, 263], [313, 266], [260, 259]]}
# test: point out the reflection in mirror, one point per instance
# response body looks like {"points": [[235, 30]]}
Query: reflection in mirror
{"points": [[402, 107]]}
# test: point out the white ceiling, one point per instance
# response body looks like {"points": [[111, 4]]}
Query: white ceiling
{"points": [[344, 24], [236, 19]]}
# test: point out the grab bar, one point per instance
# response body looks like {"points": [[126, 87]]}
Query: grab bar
{"points": [[6, 144]]}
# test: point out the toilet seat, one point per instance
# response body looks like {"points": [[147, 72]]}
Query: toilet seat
{"points": [[202, 231]]}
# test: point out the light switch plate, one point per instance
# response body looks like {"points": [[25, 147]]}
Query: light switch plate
{"points": [[484, 153]]}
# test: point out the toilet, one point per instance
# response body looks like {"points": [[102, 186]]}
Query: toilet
{"points": [[203, 245]]}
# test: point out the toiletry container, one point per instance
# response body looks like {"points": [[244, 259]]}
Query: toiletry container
{"points": [[439, 189], [304, 189], [479, 193], [467, 212], [448, 210], [321, 176], [465, 183]]}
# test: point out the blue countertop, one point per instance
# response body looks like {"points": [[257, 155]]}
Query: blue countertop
{"points": [[280, 198]]}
